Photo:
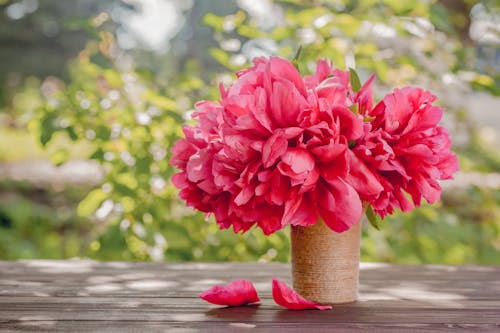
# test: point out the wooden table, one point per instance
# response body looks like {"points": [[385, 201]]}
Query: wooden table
{"points": [[89, 296]]}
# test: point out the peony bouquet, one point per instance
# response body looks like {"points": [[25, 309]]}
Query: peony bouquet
{"points": [[284, 149]]}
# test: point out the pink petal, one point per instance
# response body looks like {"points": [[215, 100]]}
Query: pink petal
{"points": [[323, 69], [284, 69], [244, 196], [363, 179], [339, 205], [300, 210], [262, 189], [335, 168], [199, 166], [279, 188], [327, 153], [269, 225], [235, 293], [427, 117], [260, 111], [404, 203], [364, 97], [292, 132], [238, 146], [285, 103], [299, 160], [222, 90], [291, 207], [273, 148], [397, 110], [448, 165], [180, 180], [237, 105], [429, 188], [181, 152], [350, 125], [290, 299]]}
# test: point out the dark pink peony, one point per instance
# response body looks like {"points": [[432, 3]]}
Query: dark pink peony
{"points": [[406, 150], [279, 149], [274, 151]]}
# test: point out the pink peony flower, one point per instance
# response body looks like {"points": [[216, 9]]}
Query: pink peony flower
{"points": [[235, 293], [290, 299], [274, 151], [406, 150], [279, 149]]}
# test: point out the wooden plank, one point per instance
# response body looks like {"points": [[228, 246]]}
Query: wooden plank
{"points": [[259, 314], [152, 326], [14, 302], [181, 327], [88, 296], [383, 315]]}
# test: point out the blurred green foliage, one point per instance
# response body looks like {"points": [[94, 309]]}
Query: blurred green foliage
{"points": [[39, 223], [126, 119], [130, 125]]}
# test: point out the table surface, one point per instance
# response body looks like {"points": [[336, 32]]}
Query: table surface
{"points": [[89, 296]]}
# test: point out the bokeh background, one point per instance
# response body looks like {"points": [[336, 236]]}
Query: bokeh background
{"points": [[94, 92]]}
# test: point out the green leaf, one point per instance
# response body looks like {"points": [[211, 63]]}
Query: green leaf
{"points": [[295, 60], [373, 218], [348, 24], [45, 137], [159, 100], [123, 190], [98, 154], [71, 133], [91, 202], [250, 32], [101, 60], [128, 203], [47, 128], [214, 21], [485, 82], [440, 18], [60, 156], [221, 56], [355, 82], [281, 33], [354, 108], [113, 77], [382, 69]]}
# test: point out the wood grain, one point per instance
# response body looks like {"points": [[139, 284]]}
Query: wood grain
{"points": [[88, 296]]}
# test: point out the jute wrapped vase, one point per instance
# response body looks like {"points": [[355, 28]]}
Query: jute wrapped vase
{"points": [[325, 264]]}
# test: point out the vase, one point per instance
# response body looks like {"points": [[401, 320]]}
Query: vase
{"points": [[325, 264]]}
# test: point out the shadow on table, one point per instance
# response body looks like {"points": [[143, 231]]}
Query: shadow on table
{"points": [[239, 313]]}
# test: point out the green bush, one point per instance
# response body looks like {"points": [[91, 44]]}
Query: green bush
{"points": [[128, 118]]}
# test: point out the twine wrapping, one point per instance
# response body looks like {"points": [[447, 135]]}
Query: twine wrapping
{"points": [[325, 264]]}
